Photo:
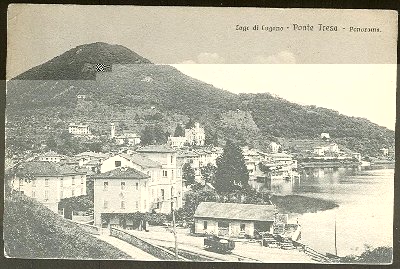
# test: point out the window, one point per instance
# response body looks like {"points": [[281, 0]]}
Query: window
{"points": [[61, 182], [72, 193], [33, 194], [137, 205], [172, 159], [205, 225], [242, 227], [73, 180], [145, 184], [105, 205], [82, 180], [46, 195], [117, 163], [34, 182], [162, 194], [81, 191], [122, 185], [145, 204], [46, 182], [61, 194], [105, 185], [122, 204], [164, 173], [137, 186]]}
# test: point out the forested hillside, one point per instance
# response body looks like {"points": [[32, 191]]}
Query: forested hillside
{"points": [[124, 87]]}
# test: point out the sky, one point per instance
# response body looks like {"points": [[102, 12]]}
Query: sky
{"points": [[353, 73]]}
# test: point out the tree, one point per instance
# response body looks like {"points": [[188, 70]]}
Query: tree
{"points": [[192, 199], [371, 255], [179, 131], [189, 124], [208, 173], [153, 135], [188, 174], [231, 173]]}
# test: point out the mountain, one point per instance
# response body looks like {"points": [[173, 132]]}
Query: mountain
{"points": [[83, 62], [134, 92]]}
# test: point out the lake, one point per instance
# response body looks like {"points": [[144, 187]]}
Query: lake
{"points": [[364, 215]]}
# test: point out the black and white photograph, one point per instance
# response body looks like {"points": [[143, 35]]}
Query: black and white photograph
{"points": [[200, 134]]}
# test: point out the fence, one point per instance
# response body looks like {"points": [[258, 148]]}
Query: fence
{"points": [[315, 255], [156, 251]]}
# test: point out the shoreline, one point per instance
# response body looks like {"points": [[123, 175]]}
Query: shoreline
{"points": [[298, 204]]}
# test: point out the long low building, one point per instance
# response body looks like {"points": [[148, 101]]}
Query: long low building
{"points": [[232, 219]]}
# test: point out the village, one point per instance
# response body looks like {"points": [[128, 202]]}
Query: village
{"points": [[127, 186]]}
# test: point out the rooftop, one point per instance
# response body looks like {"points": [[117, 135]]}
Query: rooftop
{"points": [[92, 154], [51, 154], [141, 160], [49, 169], [156, 148], [122, 172], [235, 211]]}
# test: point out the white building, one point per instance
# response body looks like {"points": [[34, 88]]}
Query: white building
{"points": [[196, 135], [51, 182], [79, 129], [51, 156], [177, 142], [325, 136], [170, 187], [117, 193], [274, 147]]}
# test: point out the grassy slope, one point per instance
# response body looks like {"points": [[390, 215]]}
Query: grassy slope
{"points": [[31, 230]]}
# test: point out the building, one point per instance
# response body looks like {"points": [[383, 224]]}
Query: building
{"points": [[325, 136], [171, 185], [195, 136], [385, 151], [119, 192], [126, 138], [233, 220], [112, 134], [50, 182], [51, 156], [79, 129], [130, 139], [322, 150], [274, 147], [81, 97], [177, 142]]}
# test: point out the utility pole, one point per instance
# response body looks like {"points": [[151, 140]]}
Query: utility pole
{"points": [[335, 237], [174, 228]]}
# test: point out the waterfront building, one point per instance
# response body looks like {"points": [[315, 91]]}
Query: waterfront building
{"points": [[232, 219]]}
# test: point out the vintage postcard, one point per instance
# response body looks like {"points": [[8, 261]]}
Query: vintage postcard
{"points": [[200, 134]]}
